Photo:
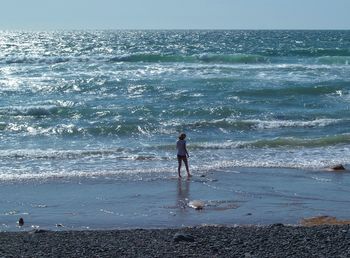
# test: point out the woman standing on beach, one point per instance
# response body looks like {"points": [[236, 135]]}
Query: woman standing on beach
{"points": [[182, 154]]}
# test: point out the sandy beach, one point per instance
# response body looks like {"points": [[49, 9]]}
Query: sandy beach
{"points": [[253, 241]]}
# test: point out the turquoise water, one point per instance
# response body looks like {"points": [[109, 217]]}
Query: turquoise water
{"points": [[110, 104]]}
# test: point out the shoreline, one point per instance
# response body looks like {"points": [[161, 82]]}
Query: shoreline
{"points": [[240, 196], [274, 240]]}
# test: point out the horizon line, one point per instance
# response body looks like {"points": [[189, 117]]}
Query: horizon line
{"points": [[173, 29]]}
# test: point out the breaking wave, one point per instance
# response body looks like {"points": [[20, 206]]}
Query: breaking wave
{"points": [[204, 58], [36, 111], [280, 142], [331, 60]]}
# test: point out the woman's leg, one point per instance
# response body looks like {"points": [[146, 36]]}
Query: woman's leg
{"points": [[179, 166], [187, 168]]}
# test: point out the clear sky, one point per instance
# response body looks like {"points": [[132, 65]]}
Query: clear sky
{"points": [[174, 14]]}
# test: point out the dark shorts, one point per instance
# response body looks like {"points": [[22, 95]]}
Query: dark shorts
{"points": [[181, 157]]}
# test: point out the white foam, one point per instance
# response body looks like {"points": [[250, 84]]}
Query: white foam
{"points": [[271, 124], [321, 179]]}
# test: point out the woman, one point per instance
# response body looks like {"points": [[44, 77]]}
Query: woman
{"points": [[182, 154]]}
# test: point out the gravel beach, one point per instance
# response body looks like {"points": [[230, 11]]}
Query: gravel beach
{"points": [[207, 241]]}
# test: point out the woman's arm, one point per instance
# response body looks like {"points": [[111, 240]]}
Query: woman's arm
{"points": [[186, 151]]}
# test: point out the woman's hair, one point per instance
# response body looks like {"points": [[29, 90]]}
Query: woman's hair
{"points": [[182, 136]]}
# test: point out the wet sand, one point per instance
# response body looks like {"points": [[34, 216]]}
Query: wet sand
{"points": [[243, 196], [101, 217], [249, 241]]}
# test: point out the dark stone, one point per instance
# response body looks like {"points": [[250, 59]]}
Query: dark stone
{"points": [[214, 249], [183, 237], [38, 231], [20, 222], [277, 225], [338, 167]]}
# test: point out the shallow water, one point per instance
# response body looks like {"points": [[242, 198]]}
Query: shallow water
{"points": [[243, 196]]}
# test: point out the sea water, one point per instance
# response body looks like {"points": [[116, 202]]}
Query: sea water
{"points": [[89, 122], [112, 103]]}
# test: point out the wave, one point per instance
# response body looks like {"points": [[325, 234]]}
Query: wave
{"points": [[300, 142], [101, 167], [70, 129], [60, 109], [342, 58], [254, 124], [50, 154], [137, 174], [147, 153], [279, 142], [143, 57], [319, 52], [36, 111], [36, 60], [334, 60], [233, 59], [107, 128], [312, 89], [204, 58], [103, 155], [266, 124]]}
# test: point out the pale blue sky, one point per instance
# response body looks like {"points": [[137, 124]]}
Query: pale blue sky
{"points": [[175, 14]]}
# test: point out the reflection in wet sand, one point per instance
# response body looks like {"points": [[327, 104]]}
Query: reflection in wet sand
{"points": [[183, 193]]}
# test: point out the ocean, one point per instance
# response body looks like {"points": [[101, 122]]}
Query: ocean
{"points": [[109, 105], [112, 103]]}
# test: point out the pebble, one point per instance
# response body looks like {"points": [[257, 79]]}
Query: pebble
{"points": [[338, 167], [207, 241], [38, 231], [183, 237], [20, 222], [196, 204]]}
